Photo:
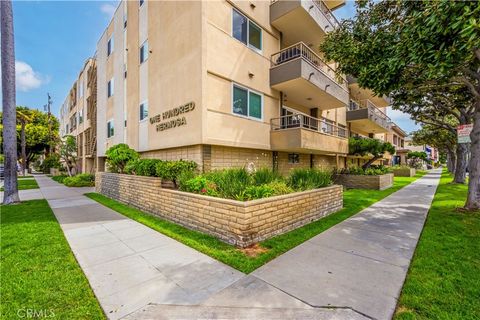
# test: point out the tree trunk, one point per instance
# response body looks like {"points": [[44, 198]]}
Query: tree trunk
{"points": [[451, 160], [9, 105], [24, 146], [473, 198], [367, 164], [461, 164]]}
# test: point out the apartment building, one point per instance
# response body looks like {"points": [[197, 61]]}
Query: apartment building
{"points": [[228, 83], [78, 116]]}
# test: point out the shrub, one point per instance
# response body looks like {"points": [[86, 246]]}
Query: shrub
{"points": [[265, 176], [200, 185], [231, 183], [142, 167], [80, 180], [304, 179], [118, 156], [359, 171], [59, 179], [52, 161], [171, 170], [273, 188]]}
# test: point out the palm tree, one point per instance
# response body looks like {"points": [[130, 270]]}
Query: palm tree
{"points": [[9, 106]]}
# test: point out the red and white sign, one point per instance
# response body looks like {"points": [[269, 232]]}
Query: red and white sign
{"points": [[463, 133]]}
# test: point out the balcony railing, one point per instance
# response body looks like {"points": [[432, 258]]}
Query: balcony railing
{"points": [[324, 9], [302, 51], [327, 13], [303, 121], [373, 110]]}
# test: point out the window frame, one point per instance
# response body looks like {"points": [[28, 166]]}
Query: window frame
{"points": [[260, 51], [248, 102], [145, 53], [110, 46], [110, 88], [295, 157], [112, 127], [143, 103]]}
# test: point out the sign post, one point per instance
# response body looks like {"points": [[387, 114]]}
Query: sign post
{"points": [[463, 133]]}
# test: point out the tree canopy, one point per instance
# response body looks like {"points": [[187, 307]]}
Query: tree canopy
{"points": [[369, 147]]}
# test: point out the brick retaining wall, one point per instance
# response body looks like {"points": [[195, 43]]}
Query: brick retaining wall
{"points": [[380, 182], [236, 222], [404, 172]]}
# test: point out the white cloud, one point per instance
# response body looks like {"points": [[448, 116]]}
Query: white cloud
{"points": [[26, 78], [108, 9], [397, 115]]}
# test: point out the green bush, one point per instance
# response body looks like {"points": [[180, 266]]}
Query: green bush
{"points": [[305, 179], [171, 170], [80, 180], [59, 179], [200, 185], [265, 176], [118, 156], [52, 161], [359, 171], [142, 167], [231, 183]]}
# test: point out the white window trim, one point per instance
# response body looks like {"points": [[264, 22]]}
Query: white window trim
{"points": [[260, 51], [146, 118], [248, 102], [140, 50], [110, 40], [111, 121], [112, 89]]}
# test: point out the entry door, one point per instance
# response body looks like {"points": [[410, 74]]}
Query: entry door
{"points": [[290, 119]]}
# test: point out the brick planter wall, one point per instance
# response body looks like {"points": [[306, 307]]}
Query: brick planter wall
{"points": [[236, 222], [404, 172], [380, 182]]}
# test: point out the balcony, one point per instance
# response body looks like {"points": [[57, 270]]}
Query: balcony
{"points": [[364, 116], [302, 20], [306, 79], [304, 134]]}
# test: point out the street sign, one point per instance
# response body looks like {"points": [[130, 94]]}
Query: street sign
{"points": [[463, 133]]}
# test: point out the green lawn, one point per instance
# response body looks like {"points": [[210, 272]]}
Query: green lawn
{"points": [[444, 278], [26, 177], [354, 201], [38, 270], [24, 184]]}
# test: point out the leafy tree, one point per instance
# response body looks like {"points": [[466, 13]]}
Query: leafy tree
{"points": [[35, 126], [369, 146], [8, 96], [68, 153], [118, 156], [416, 158], [442, 139], [404, 45]]}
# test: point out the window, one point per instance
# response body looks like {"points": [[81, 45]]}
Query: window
{"points": [[110, 88], [80, 116], [144, 52], [293, 158], [110, 46], [143, 110], [247, 103], [246, 31], [141, 2], [110, 130], [80, 90]]}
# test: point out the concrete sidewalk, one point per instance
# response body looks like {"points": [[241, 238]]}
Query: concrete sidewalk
{"points": [[354, 270]]}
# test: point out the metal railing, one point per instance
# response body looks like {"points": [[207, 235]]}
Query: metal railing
{"points": [[324, 9], [374, 113], [301, 50], [300, 120], [327, 13]]}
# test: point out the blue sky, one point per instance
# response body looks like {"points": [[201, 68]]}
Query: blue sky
{"points": [[54, 38]]}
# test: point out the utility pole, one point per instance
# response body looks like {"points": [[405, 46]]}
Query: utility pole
{"points": [[47, 109]]}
